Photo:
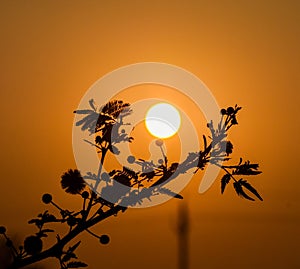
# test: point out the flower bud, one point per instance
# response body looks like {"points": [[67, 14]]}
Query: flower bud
{"points": [[130, 159], [223, 111], [47, 198], [230, 110], [33, 245], [159, 142], [104, 239], [85, 195]]}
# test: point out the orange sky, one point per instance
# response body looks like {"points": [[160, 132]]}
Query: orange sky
{"points": [[246, 52]]}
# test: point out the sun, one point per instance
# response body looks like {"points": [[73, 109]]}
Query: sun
{"points": [[162, 120]]}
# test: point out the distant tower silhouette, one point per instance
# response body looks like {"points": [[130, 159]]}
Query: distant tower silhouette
{"points": [[183, 236]]}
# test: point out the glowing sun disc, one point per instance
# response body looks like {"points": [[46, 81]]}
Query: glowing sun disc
{"points": [[162, 120]]}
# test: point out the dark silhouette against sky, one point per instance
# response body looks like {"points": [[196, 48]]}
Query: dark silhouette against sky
{"points": [[245, 51]]}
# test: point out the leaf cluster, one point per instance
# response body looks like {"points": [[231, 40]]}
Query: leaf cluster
{"points": [[246, 169]]}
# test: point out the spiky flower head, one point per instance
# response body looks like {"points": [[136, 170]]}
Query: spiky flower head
{"points": [[72, 182]]}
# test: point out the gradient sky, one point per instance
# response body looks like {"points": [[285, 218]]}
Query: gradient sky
{"points": [[246, 52]]}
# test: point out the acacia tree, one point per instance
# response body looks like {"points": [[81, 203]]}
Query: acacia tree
{"points": [[105, 124]]}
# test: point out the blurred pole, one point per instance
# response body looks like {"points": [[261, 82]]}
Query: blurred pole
{"points": [[183, 236]]}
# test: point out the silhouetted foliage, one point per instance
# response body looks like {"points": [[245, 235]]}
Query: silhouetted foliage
{"points": [[246, 169], [104, 125], [72, 182]]}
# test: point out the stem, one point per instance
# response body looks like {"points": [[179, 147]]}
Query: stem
{"points": [[94, 195], [56, 250], [83, 206], [93, 234], [92, 144], [96, 213], [104, 151], [13, 249], [57, 206], [228, 127], [222, 167], [164, 156]]}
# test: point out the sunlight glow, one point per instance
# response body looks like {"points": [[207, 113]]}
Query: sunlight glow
{"points": [[162, 120]]}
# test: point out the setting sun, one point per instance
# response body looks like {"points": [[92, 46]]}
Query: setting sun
{"points": [[162, 120]]}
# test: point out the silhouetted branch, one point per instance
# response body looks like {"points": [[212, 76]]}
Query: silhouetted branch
{"points": [[151, 179]]}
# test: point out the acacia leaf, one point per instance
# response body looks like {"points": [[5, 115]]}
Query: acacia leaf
{"points": [[84, 111], [170, 193], [224, 181], [205, 142], [240, 192], [73, 248], [248, 186], [76, 264]]}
